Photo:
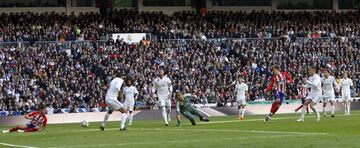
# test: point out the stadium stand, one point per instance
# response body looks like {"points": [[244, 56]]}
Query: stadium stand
{"points": [[62, 60]]}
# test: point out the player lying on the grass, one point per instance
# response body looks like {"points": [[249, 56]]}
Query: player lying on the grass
{"points": [[279, 80], [328, 85], [112, 102], [184, 107], [302, 95], [38, 121], [241, 93], [313, 97]]}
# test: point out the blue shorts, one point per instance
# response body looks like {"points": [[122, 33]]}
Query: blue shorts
{"points": [[30, 125], [279, 95], [303, 100]]}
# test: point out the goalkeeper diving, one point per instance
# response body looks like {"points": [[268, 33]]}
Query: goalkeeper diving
{"points": [[185, 108]]}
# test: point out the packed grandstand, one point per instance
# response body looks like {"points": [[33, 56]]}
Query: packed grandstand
{"points": [[66, 61]]}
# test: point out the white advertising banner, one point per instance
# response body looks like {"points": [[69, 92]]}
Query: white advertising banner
{"points": [[129, 37]]}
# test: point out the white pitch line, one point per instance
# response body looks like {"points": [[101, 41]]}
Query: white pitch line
{"points": [[203, 130], [250, 120], [230, 130], [172, 141], [13, 145]]}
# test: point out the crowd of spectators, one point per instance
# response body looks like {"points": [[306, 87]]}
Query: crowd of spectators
{"points": [[75, 75], [180, 25]]}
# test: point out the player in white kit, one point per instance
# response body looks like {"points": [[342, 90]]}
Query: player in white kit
{"points": [[328, 84], [130, 92], [112, 102], [346, 84], [162, 85], [241, 90], [314, 83]]}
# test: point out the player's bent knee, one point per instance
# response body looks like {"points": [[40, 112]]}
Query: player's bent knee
{"points": [[122, 110]]}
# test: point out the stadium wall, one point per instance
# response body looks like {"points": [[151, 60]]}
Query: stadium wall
{"points": [[240, 8], [165, 10], [156, 114], [260, 109], [67, 10]]}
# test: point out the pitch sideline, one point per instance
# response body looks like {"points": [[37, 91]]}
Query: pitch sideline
{"points": [[13, 145]]}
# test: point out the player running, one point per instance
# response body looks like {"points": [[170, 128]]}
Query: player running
{"points": [[38, 122], [328, 83], [162, 85], [314, 83], [130, 93], [346, 84], [279, 80], [184, 107], [241, 92], [302, 95], [112, 102]]}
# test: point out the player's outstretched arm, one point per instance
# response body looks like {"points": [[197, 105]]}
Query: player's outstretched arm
{"points": [[30, 116]]}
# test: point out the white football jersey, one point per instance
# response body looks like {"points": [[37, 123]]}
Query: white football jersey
{"points": [[328, 86], [129, 92], [345, 85], [162, 86], [241, 89], [314, 83], [115, 87]]}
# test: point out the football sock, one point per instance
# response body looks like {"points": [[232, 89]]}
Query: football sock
{"points": [[348, 107], [242, 112], [15, 129], [274, 107], [297, 109], [313, 107], [130, 118], [345, 107], [303, 113], [123, 120], [164, 114], [168, 111], [107, 115]]}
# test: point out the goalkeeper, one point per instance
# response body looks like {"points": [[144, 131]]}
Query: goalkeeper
{"points": [[184, 107]]}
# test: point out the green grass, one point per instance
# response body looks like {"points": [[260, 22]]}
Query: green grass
{"points": [[282, 131]]}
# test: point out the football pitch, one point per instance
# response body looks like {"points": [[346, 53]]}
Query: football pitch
{"points": [[281, 132]]}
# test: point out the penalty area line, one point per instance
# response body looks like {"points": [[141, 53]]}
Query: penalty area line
{"points": [[14, 145]]}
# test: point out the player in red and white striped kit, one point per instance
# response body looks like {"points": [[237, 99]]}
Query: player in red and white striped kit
{"points": [[279, 80], [38, 122]]}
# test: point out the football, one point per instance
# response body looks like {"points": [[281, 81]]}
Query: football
{"points": [[84, 123]]}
